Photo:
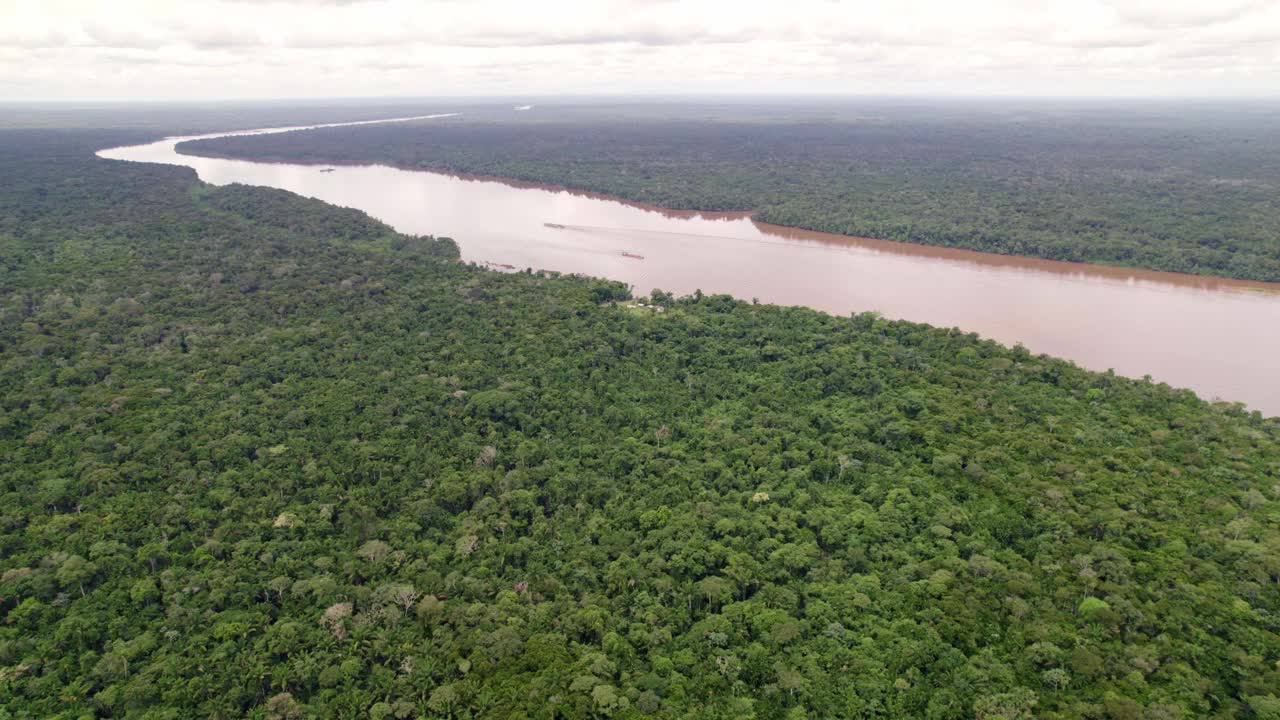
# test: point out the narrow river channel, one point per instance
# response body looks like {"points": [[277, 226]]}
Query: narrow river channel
{"points": [[1220, 338]]}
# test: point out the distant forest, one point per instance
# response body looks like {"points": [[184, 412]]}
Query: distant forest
{"points": [[266, 458], [1181, 187]]}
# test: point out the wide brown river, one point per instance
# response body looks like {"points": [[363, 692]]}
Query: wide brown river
{"points": [[1221, 338]]}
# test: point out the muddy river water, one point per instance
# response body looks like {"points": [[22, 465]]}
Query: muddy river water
{"points": [[1221, 338]]}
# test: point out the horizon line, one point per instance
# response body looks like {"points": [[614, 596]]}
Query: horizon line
{"points": [[686, 96]]}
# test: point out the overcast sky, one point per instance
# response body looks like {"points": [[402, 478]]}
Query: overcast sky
{"points": [[184, 49]]}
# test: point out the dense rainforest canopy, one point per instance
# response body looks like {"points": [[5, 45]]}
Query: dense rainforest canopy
{"points": [[263, 457], [1182, 187]]}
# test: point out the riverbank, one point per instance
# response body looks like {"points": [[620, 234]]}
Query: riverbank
{"points": [[1156, 190], [794, 232], [1185, 330]]}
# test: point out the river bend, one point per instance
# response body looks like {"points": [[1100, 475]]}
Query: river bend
{"points": [[1219, 337]]}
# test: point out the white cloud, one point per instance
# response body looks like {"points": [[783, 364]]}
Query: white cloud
{"points": [[82, 49]]}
